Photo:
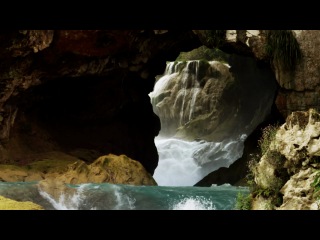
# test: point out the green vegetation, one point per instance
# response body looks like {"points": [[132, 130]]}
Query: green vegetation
{"points": [[268, 135], [282, 46], [272, 193], [243, 202], [204, 53], [316, 184], [215, 37]]}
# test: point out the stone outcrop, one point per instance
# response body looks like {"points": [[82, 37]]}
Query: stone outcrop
{"points": [[110, 168], [106, 169], [56, 166], [189, 95], [54, 175], [298, 193], [212, 101], [286, 173], [300, 89], [42, 165]]}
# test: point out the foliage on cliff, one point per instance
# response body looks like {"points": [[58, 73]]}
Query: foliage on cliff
{"points": [[286, 176], [282, 46]]}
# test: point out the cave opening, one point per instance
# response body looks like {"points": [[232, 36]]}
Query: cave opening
{"points": [[85, 117]]}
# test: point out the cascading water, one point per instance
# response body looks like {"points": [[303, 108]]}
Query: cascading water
{"points": [[106, 196], [206, 113]]}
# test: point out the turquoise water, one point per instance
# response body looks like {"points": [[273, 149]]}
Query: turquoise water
{"points": [[107, 196]]}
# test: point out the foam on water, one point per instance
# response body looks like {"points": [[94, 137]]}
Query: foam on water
{"points": [[194, 203], [67, 201], [184, 163], [106, 196]]}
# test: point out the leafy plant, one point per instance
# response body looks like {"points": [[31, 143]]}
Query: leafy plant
{"points": [[243, 202], [275, 158], [316, 183], [268, 135], [216, 37], [283, 47]]}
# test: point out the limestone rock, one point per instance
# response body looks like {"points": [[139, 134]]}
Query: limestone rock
{"points": [[298, 138], [110, 169], [298, 193], [265, 173], [210, 99], [291, 163], [260, 203], [68, 169], [45, 164]]}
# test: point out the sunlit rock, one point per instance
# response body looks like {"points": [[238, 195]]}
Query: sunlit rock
{"points": [[298, 138], [45, 164], [298, 193], [289, 169], [9, 204], [109, 168]]}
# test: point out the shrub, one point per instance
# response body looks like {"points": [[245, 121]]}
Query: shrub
{"points": [[283, 47], [243, 201], [216, 37], [316, 184], [268, 135]]}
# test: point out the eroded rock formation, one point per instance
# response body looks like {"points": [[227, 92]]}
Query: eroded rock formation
{"points": [[287, 171], [58, 166]]}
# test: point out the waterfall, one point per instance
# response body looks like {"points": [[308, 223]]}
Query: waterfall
{"points": [[206, 113]]}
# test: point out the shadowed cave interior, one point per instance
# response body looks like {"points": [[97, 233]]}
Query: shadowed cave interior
{"points": [[85, 117]]}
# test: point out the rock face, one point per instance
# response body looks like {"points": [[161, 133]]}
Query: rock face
{"points": [[300, 89], [56, 166], [298, 193], [82, 91], [189, 93], [111, 169], [43, 164], [289, 168], [212, 100]]}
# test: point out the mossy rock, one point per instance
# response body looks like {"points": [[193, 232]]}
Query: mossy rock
{"points": [[9, 204], [45, 164], [111, 169], [11, 173]]}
